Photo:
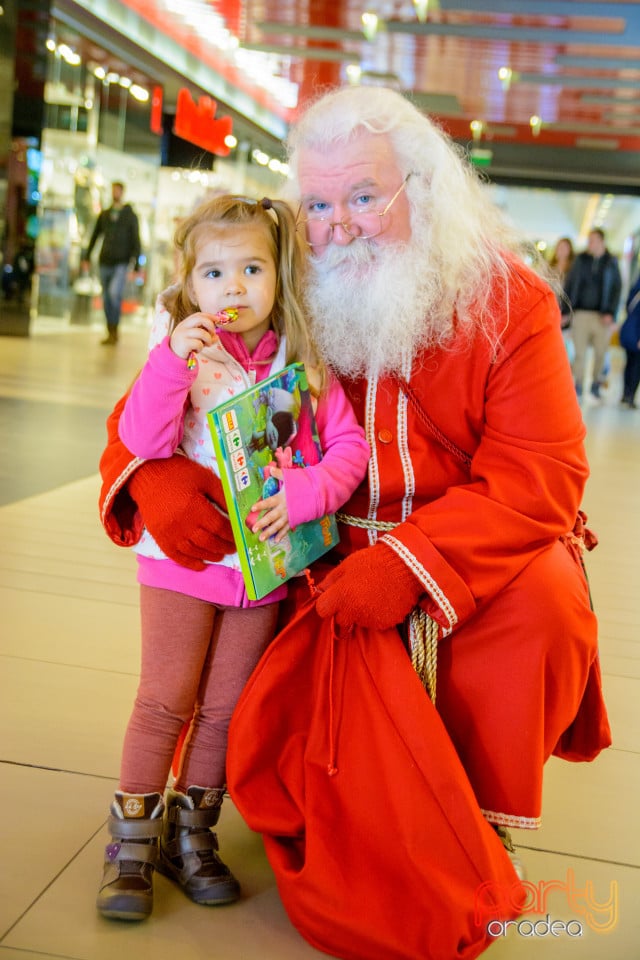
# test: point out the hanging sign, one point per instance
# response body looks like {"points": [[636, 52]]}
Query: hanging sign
{"points": [[197, 123]]}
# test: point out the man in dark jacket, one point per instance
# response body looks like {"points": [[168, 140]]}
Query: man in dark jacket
{"points": [[592, 291], [118, 227]]}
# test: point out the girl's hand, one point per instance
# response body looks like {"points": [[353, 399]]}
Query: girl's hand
{"points": [[192, 334], [275, 518]]}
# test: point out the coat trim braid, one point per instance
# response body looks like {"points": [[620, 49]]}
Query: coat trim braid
{"points": [[425, 578], [115, 488], [404, 452], [511, 820], [373, 469]]}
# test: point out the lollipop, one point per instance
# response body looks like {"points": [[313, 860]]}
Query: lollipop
{"points": [[221, 319]]}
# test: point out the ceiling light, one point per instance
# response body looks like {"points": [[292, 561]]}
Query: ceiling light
{"points": [[139, 93], [504, 75], [68, 55], [422, 9], [477, 129], [262, 67], [370, 24]]}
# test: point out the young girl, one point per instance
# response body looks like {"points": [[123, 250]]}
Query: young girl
{"points": [[241, 263]]}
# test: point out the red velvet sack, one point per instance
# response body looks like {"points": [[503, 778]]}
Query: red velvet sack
{"points": [[338, 757]]}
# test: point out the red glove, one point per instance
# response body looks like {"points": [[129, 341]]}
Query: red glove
{"points": [[176, 498], [372, 588]]}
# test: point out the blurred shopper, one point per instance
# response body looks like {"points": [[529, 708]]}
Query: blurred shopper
{"points": [[561, 261], [120, 232], [592, 288], [562, 258], [630, 342]]}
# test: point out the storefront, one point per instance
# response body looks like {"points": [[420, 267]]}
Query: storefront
{"points": [[103, 119]]}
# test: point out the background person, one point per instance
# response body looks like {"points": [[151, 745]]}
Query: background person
{"points": [[562, 257], [450, 349], [201, 635], [592, 288], [119, 229], [560, 263], [630, 342]]}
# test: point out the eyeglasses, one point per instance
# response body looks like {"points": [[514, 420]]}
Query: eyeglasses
{"points": [[361, 226]]}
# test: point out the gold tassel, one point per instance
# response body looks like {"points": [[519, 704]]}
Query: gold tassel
{"points": [[423, 637]]}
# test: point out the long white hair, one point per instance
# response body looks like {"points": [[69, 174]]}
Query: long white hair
{"points": [[466, 241]]}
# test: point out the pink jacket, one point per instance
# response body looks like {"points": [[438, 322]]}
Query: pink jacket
{"points": [[166, 410]]}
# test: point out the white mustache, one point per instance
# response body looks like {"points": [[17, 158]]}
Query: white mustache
{"points": [[371, 306]]}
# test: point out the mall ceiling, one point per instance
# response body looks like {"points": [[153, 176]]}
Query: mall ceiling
{"points": [[564, 111], [573, 65]]}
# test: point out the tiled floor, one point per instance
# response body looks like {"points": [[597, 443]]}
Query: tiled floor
{"points": [[69, 657]]}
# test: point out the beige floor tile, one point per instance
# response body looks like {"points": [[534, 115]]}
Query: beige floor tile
{"points": [[68, 673], [64, 717], [256, 927], [9, 953], [101, 635], [587, 895], [621, 693], [48, 818], [52, 585], [88, 562], [590, 809], [628, 667]]}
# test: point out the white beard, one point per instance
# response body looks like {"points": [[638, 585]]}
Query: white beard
{"points": [[372, 309]]}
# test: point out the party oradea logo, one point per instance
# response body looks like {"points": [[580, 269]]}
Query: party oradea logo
{"points": [[495, 901]]}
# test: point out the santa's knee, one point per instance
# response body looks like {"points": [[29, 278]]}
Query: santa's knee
{"points": [[554, 591]]}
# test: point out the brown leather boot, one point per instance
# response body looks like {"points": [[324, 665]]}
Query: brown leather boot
{"points": [[189, 848], [126, 891]]}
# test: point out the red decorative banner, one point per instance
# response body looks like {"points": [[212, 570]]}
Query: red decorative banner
{"points": [[196, 123], [156, 111]]}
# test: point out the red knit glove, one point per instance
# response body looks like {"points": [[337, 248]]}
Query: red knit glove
{"points": [[176, 498], [372, 588]]}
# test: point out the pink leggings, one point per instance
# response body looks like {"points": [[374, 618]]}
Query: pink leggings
{"points": [[196, 659]]}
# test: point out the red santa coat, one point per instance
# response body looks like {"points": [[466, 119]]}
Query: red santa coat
{"points": [[478, 458]]}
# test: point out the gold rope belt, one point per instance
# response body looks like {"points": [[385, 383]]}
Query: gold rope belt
{"points": [[350, 521], [423, 629]]}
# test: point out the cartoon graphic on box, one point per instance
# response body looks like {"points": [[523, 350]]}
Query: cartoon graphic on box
{"points": [[271, 424]]}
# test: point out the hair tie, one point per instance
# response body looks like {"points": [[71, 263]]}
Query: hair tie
{"points": [[266, 204]]}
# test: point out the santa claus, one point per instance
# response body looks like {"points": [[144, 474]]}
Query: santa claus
{"points": [[449, 347]]}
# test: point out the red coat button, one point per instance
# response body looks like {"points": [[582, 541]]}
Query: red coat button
{"points": [[385, 436]]}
